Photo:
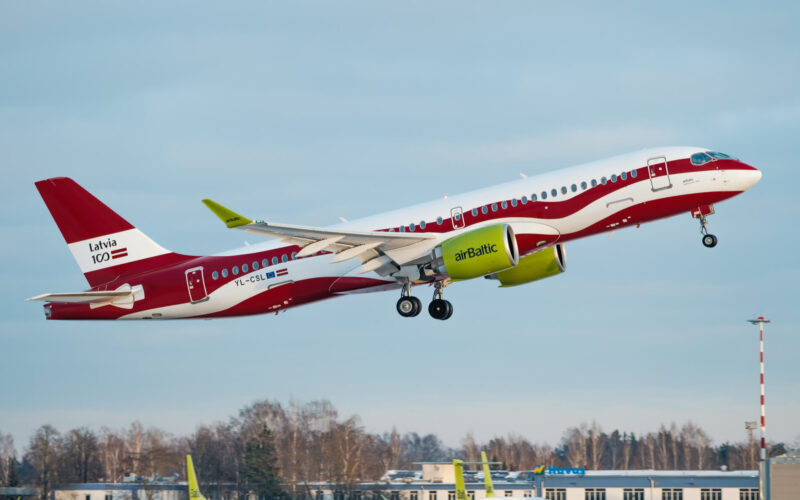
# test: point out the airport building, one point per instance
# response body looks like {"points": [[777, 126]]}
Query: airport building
{"points": [[779, 480]]}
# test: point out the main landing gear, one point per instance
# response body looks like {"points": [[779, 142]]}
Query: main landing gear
{"points": [[440, 308], [409, 306]]}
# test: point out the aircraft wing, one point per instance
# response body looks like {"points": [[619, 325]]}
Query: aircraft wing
{"points": [[123, 297], [380, 251]]}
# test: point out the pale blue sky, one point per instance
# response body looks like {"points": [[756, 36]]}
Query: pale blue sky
{"points": [[303, 112]]}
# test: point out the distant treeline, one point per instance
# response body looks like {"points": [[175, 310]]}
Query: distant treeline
{"points": [[302, 443]]}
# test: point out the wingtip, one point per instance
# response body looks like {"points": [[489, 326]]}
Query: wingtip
{"points": [[228, 216]]}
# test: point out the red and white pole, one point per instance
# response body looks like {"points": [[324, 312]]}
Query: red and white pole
{"points": [[760, 322]]}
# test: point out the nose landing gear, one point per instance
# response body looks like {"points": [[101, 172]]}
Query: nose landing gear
{"points": [[701, 214]]}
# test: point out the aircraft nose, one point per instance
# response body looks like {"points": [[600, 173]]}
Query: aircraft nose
{"points": [[747, 177]]}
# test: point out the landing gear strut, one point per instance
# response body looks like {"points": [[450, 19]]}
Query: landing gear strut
{"points": [[709, 240], [440, 308], [408, 306]]}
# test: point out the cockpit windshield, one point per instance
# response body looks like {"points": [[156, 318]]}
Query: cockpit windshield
{"points": [[703, 158]]}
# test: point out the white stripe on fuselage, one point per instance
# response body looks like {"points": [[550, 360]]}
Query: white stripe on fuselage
{"points": [[231, 294]]}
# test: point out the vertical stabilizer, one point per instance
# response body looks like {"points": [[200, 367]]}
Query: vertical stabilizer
{"points": [[105, 245], [191, 477], [461, 490], [487, 476]]}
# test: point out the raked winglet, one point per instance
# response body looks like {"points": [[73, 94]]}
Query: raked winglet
{"points": [[228, 216]]}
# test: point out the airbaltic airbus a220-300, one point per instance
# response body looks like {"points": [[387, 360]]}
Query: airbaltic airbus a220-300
{"points": [[513, 233]]}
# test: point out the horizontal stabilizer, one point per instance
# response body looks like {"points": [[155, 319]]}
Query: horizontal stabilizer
{"points": [[123, 297]]}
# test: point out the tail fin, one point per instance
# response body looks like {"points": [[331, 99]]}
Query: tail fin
{"points": [[104, 244], [487, 476], [191, 477], [461, 490]]}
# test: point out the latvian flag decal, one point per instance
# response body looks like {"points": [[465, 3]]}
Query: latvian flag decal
{"points": [[282, 272], [120, 252]]}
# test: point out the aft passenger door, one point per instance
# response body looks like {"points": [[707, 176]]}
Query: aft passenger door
{"points": [[659, 173], [196, 285]]}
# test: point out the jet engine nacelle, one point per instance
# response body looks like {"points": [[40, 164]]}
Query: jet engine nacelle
{"points": [[477, 253], [548, 262]]}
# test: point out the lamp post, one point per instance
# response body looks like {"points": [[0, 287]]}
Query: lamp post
{"points": [[760, 322]]}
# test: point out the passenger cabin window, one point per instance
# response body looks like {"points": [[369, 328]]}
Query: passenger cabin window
{"points": [[475, 212], [603, 180], [244, 268], [563, 189], [284, 258], [484, 210], [294, 255], [274, 261], [504, 205], [264, 263], [634, 173], [224, 273], [613, 177], [412, 227], [583, 185], [422, 224], [624, 176], [494, 207], [544, 195], [574, 188], [214, 275], [553, 192], [235, 270], [533, 197], [700, 159], [525, 199], [594, 183], [255, 265], [439, 220], [514, 202]]}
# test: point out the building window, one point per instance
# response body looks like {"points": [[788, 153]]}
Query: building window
{"points": [[711, 494], [555, 493], [633, 494], [748, 494], [595, 494], [451, 495], [431, 495], [109, 496], [319, 495], [509, 493], [672, 494], [356, 495], [88, 497], [413, 496], [471, 495], [527, 493], [395, 495], [338, 495]]}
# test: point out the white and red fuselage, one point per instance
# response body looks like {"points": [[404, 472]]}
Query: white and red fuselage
{"points": [[268, 277]]}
